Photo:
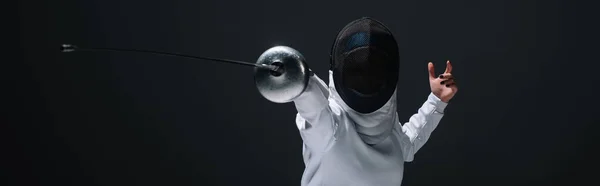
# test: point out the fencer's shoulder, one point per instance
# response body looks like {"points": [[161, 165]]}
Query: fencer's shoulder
{"points": [[334, 111]]}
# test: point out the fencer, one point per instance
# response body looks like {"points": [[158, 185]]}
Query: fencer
{"points": [[350, 128]]}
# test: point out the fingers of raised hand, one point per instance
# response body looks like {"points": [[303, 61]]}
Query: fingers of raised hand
{"points": [[447, 79], [445, 76], [448, 67]]}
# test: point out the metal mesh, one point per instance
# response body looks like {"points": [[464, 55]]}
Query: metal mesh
{"points": [[365, 62]]}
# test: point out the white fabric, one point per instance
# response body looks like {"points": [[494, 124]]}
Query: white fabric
{"points": [[373, 127], [335, 154]]}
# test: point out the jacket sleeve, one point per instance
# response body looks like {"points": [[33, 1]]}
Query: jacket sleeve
{"points": [[415, 133], [314, 118]]}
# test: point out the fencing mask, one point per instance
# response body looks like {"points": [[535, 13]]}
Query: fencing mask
{"points": [[364, 70], [365, 62]]}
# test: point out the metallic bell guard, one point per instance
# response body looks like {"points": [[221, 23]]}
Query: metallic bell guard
{"points": [[288, 81]]}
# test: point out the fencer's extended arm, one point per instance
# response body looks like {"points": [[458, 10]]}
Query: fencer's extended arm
{"points": [[417, 130], [314, 118]]}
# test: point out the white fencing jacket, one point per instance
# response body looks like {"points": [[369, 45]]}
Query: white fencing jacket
{"points": [[334, 154]]}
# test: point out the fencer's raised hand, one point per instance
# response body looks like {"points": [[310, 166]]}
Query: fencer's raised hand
{"points": [[443, 86]]}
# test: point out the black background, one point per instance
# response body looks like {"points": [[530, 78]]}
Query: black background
{"points": [[525, 113]]}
